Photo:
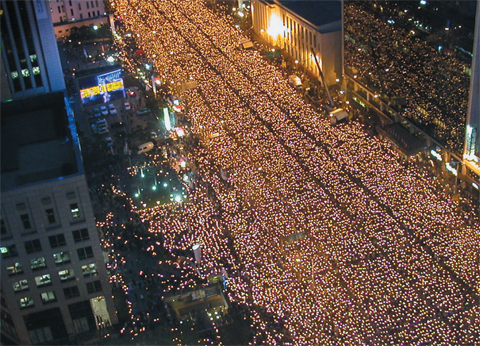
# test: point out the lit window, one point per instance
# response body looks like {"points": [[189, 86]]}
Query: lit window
{"points": [[21, 285], [90, 269], [43, 280], [61, 257], [26, 302], [48, 297], [38, 263], [33, 57], [14, 74], [36, 70], [66, 274], [9, 251], [16, 268], [25, 72], [74, 210]]}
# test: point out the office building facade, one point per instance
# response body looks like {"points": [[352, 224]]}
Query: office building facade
{"points": [[54, 277], [472, 140], [30, 58]]}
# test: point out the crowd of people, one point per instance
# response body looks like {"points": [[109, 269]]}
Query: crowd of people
{"points": [[325, 234], [397, 63]]}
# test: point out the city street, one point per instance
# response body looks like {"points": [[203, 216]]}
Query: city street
{"points": [[324, 234]]}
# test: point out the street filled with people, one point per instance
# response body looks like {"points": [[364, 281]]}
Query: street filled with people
{"points": [[393, 60], [324, 234]]}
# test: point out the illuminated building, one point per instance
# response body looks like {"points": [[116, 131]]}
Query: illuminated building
{"points": [[74, 10], [297, 27], [30, 60], [472, 141], [53, 273], [67, 14]]}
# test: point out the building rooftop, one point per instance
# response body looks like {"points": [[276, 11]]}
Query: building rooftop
{"points": [[38, 142], [317, 12]]}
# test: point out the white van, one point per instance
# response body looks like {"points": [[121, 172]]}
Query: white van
{"points": [[145, 147], [295, 81]]}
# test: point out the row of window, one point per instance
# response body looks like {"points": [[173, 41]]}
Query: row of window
{"points": [[46, 279], [69, 292], [50, 216], [91, 4], [59, 258], [55, 241], [81, 14]]}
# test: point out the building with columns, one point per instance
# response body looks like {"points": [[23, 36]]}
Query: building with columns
{"points": [[297, 27]]}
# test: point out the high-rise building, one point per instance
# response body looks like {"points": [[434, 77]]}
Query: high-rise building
{"points": [[472, 140], [53, 275], [30, 58]]}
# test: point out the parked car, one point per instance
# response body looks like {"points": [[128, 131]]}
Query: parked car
{"points": [[103, 130], [103, 110], [96, 112], [127, 106], [112, 109], [143, 111]]}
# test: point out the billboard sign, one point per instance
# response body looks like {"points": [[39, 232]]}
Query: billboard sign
{"points": [[101, 88]]}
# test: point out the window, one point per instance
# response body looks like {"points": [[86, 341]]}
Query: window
{"points": [[3, 227], [85, 252], [21, 285], [94, 286], [26, 221], [74, 210], [81, 14], [57, 240], [71, 292], [88, 5], [80, 235], [70, 2], [50, 215], [33, 246], [16, 268], [9, 251], [71, 11], [48, 297], [96, 3], [90, 269], [41, 335], [61, 257], [79, 7], [88, 14], [26, 302], [59, 11], [38, 263], [91, 2], [43, 280], [66, 274]]}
